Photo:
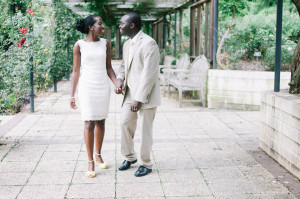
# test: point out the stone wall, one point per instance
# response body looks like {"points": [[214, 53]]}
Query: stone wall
{"points": [[280, 132], [235, 89]]}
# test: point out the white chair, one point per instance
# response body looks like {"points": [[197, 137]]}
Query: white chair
{"points": [[191, 80], [182, 65]]}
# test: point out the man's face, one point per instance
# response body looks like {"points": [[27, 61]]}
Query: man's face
{"points": [[125, 25]]}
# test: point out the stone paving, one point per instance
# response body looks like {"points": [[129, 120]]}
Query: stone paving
{"points": [[197, 153]]}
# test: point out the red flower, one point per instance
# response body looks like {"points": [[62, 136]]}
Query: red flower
{"points": [[21, 42], [23, 30], [31, 12]]}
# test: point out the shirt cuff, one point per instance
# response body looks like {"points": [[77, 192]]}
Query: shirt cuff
{"points": [[120, 77]]}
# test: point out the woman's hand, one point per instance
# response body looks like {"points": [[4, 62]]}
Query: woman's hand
{"points": [[72, 103], [119, 86]]}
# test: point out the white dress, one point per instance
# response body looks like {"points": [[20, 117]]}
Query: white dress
{"points": [[94, 84]]}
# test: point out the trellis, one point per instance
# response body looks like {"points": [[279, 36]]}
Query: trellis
{"points": [[196, 18]]}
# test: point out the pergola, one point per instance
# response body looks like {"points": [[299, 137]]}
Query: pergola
{"points": [[200, 10], [156, 13]]}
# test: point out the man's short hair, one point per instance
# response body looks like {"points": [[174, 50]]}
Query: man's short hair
{"points": [[136, 19]]}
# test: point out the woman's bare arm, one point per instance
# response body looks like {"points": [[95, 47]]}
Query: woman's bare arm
{"points": [[75, 73], [109, 69]]}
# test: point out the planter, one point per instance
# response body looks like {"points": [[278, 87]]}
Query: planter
{"points": [[242, 90], [280, 132]]}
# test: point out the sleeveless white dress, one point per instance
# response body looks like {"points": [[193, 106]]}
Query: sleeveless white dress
{"points": [[94, 85]]}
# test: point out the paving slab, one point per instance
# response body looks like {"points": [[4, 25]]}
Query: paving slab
{"points": [[9, 192], [197, 153], [43, 191]]}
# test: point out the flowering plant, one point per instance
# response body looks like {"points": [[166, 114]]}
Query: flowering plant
{"points": [[21, 42], [31, 12], [23, 30], [42, 34]]}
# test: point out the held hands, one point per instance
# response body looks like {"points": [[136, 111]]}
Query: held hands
{"points": [[135, 106], [72, 103], [119, 87]]}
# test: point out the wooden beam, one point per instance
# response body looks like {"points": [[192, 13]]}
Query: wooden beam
{"points": [[199, 3], [192, 31], [107, 34], [181, 29], [206, 29], [199, 18], [160, 34], [118, 43], [154, 32]]}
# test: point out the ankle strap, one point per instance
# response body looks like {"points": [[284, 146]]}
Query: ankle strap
{"points": [[91, 160], [97, 153]]}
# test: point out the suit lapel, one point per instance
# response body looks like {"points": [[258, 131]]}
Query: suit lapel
{"points": [[136, 45]]}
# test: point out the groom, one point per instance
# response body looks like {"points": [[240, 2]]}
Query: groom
{"points": [[138, 80]]}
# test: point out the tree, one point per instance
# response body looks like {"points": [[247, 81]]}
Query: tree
{"points": [[229, 7], [295, 66]]}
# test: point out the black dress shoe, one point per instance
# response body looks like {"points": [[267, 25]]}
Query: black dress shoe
{"points": [[142, 171], [126, 165]]}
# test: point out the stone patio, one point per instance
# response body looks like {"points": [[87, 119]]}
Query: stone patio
{"points": [[197, 153]]}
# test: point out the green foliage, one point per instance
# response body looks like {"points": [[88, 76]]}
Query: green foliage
{"points": [[41, 43], [268, 6], [16, 6], [257, 32], [287, 52], [227, 6], [110, 19], [63, 30], [173, 62]]}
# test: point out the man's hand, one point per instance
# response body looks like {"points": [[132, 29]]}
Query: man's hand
{"points": [[135, 106], [119, 86]]}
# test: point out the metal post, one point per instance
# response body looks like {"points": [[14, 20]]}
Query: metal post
{"points": [[120, 44], [55, 83], [215, 37], [278, 46], [31, 85], [164, 32], [175, 31], [148, 28], [31, 93], [55, 39], [68, 59]]}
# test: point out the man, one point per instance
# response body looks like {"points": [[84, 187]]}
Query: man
{"points": [[138, 81]]}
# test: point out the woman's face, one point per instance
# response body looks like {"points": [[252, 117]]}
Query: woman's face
{"points": [[98, 27]]}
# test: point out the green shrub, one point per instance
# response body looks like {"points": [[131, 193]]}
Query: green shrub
{"points": [[46, 37], [287, 53], [258, 33], [173, 62]]}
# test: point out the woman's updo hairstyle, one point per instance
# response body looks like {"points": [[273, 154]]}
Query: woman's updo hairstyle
{"points": [[83, 25]]}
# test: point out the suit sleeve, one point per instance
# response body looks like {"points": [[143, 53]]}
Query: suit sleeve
{"points": [[150, 72], [121, 74]]}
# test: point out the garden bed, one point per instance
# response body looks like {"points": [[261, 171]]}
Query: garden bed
{"points": [[235, 89], [280, 132]]}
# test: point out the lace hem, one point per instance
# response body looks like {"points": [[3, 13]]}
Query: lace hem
{"points": [[93, 117]]}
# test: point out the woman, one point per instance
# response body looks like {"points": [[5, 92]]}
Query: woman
{"points": [[92, 67]]}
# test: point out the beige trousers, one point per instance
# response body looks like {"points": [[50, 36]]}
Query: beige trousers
{"points": [[129, 119]]}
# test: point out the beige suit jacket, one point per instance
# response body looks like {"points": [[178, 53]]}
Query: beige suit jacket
{"points": [[140, 71]]}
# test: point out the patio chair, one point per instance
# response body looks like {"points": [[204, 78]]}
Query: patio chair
{"points": [[182, 65], [191, 80]]}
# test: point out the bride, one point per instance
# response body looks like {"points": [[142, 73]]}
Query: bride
{"points": [[91, 69]]}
